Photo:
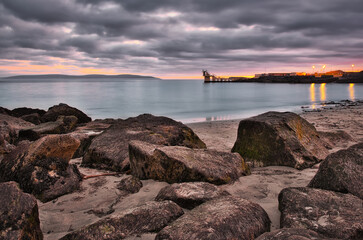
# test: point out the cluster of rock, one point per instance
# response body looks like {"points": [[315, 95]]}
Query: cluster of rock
{"points": [[36, 147], [332, 204]]}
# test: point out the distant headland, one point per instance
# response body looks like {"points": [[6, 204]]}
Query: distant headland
{"points": [[89, 76], [336, 76]]}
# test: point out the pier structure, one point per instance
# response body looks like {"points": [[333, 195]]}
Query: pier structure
{"points": [[209, 78]]}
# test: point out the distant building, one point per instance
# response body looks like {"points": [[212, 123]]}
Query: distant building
{"points": [[336, 73], [280, 74]]}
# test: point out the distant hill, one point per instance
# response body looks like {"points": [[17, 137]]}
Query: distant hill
{"points": [[90, 76]]}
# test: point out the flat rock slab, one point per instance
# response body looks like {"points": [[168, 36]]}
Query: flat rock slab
{"points": [[279, 138], [150, 217], [64, 110], [42, 167], [19, 218], [292, 234], [342, 172], [174, 164], [62, 125], [110, 150], [223, 218], [329, 213], [190, 195]]}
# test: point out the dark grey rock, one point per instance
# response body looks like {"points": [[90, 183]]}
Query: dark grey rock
{"points": [[130, 184], [20, 112], [329, 213], [9, 132], [10, 126], [175, 164], [19, 218], [5, 111], [342, 171], [150, 217], [64, 110], [33, 118], [110, 150], [223, 218], [190, 195], [279, 138], [63, 124]]}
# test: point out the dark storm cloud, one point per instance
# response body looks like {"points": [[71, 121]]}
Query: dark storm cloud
{"points": [[165, 34]]}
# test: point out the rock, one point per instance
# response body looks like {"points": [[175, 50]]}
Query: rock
{"points": [[223, 218], [86, 132], [64, 110], [63, 124], [56, 146], [329, 213], [23, 111], [339, 139], [10, 126], [175, 164], [283, 139], [42, 167], [130, 184], [5, 111], [190, 195], [292, 234], [9, 130], [150, 217], [110, 150], [19, 218], [33, 118], [342, 171]]}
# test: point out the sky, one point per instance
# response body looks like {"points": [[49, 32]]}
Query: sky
{"points": [[179, 38]]}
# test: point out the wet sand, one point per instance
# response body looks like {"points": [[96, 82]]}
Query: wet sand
{"points": [[99, 197]]}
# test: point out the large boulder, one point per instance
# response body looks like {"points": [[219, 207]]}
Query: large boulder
{"points": [[63, 124], [174, 164], [19, 218], [329, 213], [110, 150], [10, 126], [33, 118], [86, 132], [64, 110], [9, 131], [292, 234], [223, 218], [42, 167], [5, 111], [150, 217], [190, 195], [279, 138], [342, 171], [23, 111]]}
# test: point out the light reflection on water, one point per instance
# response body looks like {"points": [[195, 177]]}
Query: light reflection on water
{"points": [[322, 92], [186, 101], [351, 91]]}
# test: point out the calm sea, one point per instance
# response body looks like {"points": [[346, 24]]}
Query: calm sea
{"points": [[183, 100]]}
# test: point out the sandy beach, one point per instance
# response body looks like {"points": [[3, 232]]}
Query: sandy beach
{"points": [[99, 197]]}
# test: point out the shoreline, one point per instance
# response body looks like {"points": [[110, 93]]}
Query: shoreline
{"points": [[99, 197], [221, 134]]}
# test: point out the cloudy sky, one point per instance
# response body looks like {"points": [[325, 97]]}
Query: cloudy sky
{"points": [[179, 38]]}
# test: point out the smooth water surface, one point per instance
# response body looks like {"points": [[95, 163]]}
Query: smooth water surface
{"points": [[183, 100]]}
